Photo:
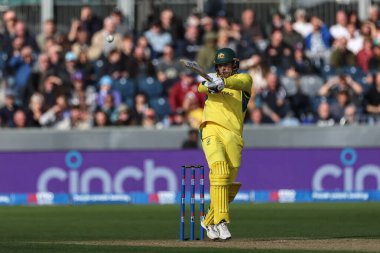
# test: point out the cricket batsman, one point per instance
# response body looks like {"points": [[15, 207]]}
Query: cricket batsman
{"points": [[221, 132]]}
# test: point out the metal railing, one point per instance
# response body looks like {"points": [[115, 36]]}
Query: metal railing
{"points": [[66, 10]]}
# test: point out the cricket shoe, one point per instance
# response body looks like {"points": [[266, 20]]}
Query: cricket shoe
{"points": [[211, 230], [224, 233]]}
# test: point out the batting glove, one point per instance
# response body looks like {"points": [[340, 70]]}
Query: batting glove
{"points": [[216, 85]]}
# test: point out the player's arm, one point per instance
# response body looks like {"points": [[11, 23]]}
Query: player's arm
{"points": [[239, 82]]}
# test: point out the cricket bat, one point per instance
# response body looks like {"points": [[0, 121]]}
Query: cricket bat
{"points": [[193, 66]]}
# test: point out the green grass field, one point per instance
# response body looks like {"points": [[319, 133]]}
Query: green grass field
{"points": [[99, 228]]}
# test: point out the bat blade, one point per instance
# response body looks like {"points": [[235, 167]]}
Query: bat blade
{"points": [[193, 66]]}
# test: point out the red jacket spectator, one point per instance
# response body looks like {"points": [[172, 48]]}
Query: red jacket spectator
{"points": [[363, 56], [181, 88]]}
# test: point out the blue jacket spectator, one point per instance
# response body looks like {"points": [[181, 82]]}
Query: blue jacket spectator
{"points": [[326, 37], [105, 88]]}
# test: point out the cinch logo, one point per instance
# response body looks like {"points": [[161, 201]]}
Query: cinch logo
{"points": [[351, 181], [79, 182]]}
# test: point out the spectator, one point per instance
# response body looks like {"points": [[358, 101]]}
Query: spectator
{"points": [[171, 24], [192, 140], [48, 31], [341, 56], [372, 100], [232, 29], [186, 84], [273, 99], [324, 117], [130, 69], [374, 61], [14, 50], [62, 40], [143, 66], [256, 116], [168, 68], [368, 30], [142, 42], [338, 107], [58, 116], [178, 119], [291, 38], [10, 19], [353, 19], [149, 118], [207, 27], [99, 44], [69, 69], [224, 40], [350, 116], [374, 15], [105, 88], [121, 22], [257, 69], [302, 64], [114, 65], [205, 56], [158, 39], [87, 68], [355, 40], [364, 55], [101, 119], [339, 29], [8, 109], [253, 39], [50, 90], [22, 32], [124, 116], [193, 110], [301, 25], [56, 58], [80, 44], [87, 22], [82, 93], [342, 83], [77, 121], [127, 47], [140, 106], [39, 72], [318, 43], [191, 43], [277, 53], [22, 65], [110, 108], [35, 110], [276, 23], [299, 102], [19, 119]]}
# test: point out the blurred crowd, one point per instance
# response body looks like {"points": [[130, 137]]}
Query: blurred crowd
{"points": [[304, 71]]}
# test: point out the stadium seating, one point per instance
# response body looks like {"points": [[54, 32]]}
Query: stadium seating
{"points": [[161, 107], [328, 71], [98, 64], [150, 86], [310, 84], [289, 85], [126, 87]]}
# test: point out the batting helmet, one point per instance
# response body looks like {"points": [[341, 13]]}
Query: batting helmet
{"points": [[226, 55]]}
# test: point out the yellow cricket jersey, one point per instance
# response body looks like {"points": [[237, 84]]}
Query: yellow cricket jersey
{"points": [[228, 107]]}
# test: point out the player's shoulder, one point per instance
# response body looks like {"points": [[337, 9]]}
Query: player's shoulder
{"points": [[244, 76]]}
